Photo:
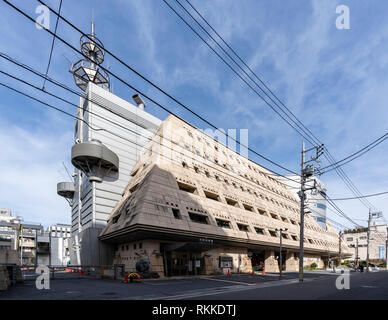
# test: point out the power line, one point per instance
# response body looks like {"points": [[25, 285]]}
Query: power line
{"points": [[52, 44], [357, 154], [342, 174], [329, 157], [354, 198], [231, 58], [73, 92], [106, 130], [174, 99], [144, 78]]}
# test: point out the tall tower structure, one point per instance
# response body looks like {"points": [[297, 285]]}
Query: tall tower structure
{"points": [[88, 69], [104, 120]]}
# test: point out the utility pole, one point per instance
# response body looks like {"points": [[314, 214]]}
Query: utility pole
{"points": [[306, 172], [280, 249], [357, 252], [340, 247], [371, 214], [367, 243], [302, 198], [386, 253]]}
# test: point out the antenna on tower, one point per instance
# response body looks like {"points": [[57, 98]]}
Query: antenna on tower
{"points": [[87, 70]]}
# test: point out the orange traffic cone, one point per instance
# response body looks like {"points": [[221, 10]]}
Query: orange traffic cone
{"points": [[228, 272], [126, 278], [138, 277], [263, 272]]}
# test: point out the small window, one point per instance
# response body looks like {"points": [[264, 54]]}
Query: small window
{"points": [[231, 202], [212, 196], [198, 218], [248, 207], [295, 238], [272, 233], [284, 219], [116, 218], [196, 169], [284, 235], [274, 216], [262, 212], [187, 188], [140, 245], [243, 227], [176, 213], [293, 222], [133, 188], [259, 231], [223, 223]]}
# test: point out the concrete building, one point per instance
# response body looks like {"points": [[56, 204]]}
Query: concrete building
{"points": [[7, 232], [195, 206], [356, 240], [32, 244], [93, 201], [18, 235], [122, 127], [54, 245], [315, 202]]}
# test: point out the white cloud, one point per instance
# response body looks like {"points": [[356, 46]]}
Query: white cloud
{"points": [[31, 166]]}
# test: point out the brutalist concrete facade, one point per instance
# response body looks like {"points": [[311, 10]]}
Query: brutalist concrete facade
{"points": [[194, 206]]}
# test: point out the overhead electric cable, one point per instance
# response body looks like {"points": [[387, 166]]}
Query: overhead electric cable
{"points": [[137, 90]]}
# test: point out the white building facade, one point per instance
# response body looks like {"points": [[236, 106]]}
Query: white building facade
{"points": [[357, 241], [124, 128]]}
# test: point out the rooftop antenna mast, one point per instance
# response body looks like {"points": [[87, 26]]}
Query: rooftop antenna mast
{"points": [[87, 70]]}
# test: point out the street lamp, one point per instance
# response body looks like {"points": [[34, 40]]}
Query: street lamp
{"points": [[280, 254]]}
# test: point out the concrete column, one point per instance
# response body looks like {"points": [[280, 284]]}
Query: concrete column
{"points": [[291, 262], [271, 264]]}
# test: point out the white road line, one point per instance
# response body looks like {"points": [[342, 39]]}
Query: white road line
{"points": [[231, 281]]}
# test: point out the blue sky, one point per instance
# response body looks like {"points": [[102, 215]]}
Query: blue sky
{"points": [[333, 80]]}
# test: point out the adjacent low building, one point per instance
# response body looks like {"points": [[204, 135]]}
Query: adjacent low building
{"points": [[357, 240], [32, 245], [195, 206]]}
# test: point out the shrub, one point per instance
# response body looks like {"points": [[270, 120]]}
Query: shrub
{"points": [[313, 266]]}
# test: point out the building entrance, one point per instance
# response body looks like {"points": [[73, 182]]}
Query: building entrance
{"points": [[182, 259], [258, 261], [183, 264]]}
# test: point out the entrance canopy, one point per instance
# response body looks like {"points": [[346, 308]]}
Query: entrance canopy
{"points": [[197, 247]]}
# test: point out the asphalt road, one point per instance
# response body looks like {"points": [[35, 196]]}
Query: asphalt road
{"points": [[317, 285]]}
